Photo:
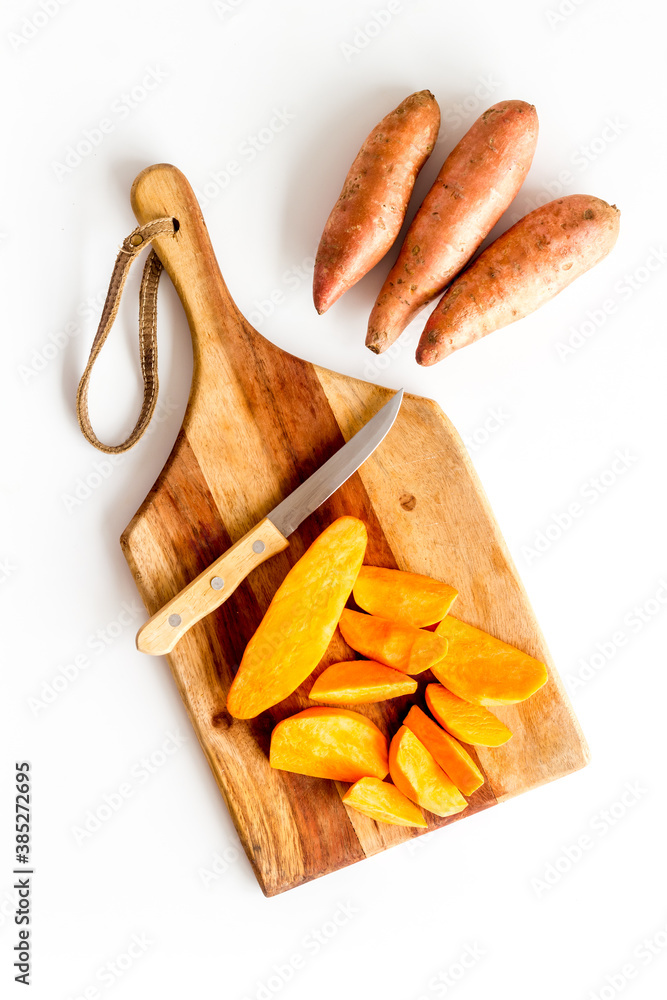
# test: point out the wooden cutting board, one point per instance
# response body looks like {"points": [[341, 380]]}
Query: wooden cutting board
{"points": [[258, 422]]}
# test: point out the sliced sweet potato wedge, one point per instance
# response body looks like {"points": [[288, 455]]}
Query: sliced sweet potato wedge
{"points": [[354, 682], [409, 598], [293, 635], [455, 761], [383, 802], [415, 772], [329, 743], [468, 722], [402, 647], [485, 670]]}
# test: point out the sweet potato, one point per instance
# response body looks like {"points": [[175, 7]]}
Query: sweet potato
{"points": [[485, 670], [467, 722], [402, 647], [415, 772], [408, 598], [383, 802], [300, 620], [329, 743], [356, 682], [370, 210], [525, 267], [455, 761], [477, 182]]}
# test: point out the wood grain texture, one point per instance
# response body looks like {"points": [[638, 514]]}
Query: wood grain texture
{"points": [[258, 422], [160, 633]]}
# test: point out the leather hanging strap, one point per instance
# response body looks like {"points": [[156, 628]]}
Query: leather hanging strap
{"points": [[131, 248]]}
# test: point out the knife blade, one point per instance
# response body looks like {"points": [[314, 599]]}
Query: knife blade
{"points": [[211, 588]]}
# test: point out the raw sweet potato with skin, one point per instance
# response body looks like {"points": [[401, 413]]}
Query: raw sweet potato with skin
{"points": [[293, 635], [455, 761], [370, 210], [470, 723], [402, 647], [485, 670], [477, 182], [525, 267], [383, 802], [329, 743], [408, 598], [356, 682], [415, 772]]}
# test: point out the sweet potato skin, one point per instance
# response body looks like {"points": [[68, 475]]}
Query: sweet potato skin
{"points": [[525, 267], [477, 182], [370, 209]]}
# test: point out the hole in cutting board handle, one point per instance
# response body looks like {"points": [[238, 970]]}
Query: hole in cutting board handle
{"points": [[177, 225]]}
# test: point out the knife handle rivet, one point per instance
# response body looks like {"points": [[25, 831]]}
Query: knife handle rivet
{"points": [[217, 583], [174, 620], [258, 546]]}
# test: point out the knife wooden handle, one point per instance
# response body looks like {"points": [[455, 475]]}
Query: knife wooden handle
{"points": [[210, 589]]}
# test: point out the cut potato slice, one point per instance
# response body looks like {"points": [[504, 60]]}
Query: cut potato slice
{"points": [[329, 743], [468, 722], [383, 802], [455, 761], [415, 772], [355, 682], [484, 669], [402, 647], [408, 598], [293, 635]]}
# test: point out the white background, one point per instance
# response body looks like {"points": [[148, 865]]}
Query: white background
{"points": [[499, 885]]}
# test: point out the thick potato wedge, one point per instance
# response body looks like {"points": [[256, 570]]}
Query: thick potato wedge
{"points": [[525, 267], [329, 743], [293, 635], [402, 647], [477, 182], [370, 210], [486, 670], [454, 759], [415, 772], [469, 723], [383, 802], [356, 682], [408, 598]]}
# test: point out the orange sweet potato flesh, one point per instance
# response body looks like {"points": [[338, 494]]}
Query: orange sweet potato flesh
{"points": [[301, 619], [355, 682], [415, 772], [524, 268], [370, 210], [477, 182], [402, 647], [471, 723], [383, 802], [454, 760], [408, 598], [329, 743], [485, 670]]}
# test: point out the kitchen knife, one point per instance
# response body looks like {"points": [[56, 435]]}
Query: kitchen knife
{"points": [[212, 587]]}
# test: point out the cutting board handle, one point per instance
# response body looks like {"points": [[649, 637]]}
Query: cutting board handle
{"points": [[162, 190]]}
